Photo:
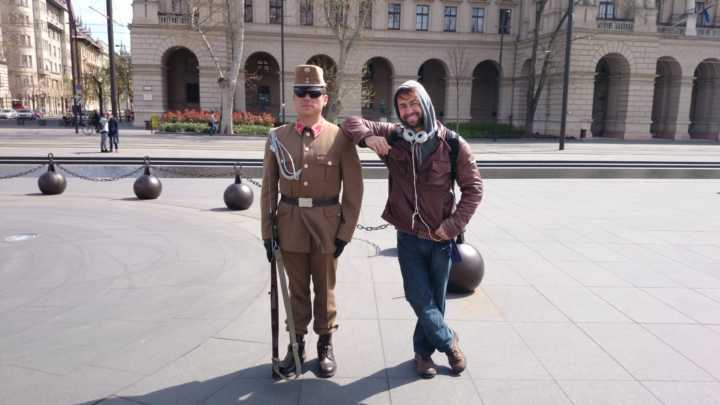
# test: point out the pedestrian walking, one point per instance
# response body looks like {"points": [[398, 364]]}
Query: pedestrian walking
{"points": [[113, 133], [104, 129]]}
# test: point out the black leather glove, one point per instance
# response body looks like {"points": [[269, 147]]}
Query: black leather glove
{"points": [[339, 247], [268, 249]]}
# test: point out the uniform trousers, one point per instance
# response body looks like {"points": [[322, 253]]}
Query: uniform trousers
{"points": [[320, 268]]}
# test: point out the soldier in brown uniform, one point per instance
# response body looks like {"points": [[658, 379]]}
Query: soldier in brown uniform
{"points": [[306, 165]]}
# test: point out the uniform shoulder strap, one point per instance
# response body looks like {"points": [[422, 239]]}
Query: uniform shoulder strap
{"points": [[452, 139]]}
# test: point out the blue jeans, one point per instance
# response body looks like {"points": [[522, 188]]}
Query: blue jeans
{"points": [[425, 267]]}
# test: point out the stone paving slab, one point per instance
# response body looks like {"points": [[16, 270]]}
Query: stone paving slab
{"points": [[596, 292]]}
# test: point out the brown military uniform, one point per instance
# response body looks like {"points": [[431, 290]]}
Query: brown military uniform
{"points": [[307, 235]]}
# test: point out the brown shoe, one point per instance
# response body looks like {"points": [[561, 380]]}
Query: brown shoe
{"points": [[455, 356], [425, 366], [326, 357]]}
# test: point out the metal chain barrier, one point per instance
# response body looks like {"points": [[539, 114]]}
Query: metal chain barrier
{"points": [[186, 173], [22, 174], [177, 172], [251, 181], [99, 179], [372, 228]]}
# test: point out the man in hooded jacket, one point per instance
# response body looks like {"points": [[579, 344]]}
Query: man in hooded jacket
{"points": [[421, 206]]}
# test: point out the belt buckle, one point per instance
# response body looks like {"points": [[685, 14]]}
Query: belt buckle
{"points": [[305, 202]]}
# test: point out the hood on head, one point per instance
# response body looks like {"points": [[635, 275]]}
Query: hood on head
{"points": [[429, 120]]}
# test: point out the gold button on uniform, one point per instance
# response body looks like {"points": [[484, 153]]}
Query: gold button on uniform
{"points": [[305, 183], [306, 165], [307, 149], [330, 163]]}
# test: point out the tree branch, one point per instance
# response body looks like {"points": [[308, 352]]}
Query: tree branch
{"points": [[209, 47]]}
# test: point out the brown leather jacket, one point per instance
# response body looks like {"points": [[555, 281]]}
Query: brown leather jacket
{"points": [[435, 199]]}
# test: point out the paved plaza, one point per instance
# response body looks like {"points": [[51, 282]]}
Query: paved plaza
{"points": [[596, 291]]}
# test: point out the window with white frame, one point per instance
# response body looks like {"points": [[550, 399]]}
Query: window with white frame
{"points": [[179, 6], [422, 17], [394, 16], [248, 11], [450, 20], [368, 8], [606, 10], [306, 12], [504, 21], [276, 9]]}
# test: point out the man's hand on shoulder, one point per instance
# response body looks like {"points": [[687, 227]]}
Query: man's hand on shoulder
{"points": [[378, 144]]}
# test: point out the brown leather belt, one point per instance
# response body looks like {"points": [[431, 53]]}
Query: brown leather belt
{"points": [[307, 202]]}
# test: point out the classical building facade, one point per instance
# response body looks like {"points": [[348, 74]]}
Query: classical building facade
{"points": [[639, 69], [5, 95], [37, 49], [93, 57]]}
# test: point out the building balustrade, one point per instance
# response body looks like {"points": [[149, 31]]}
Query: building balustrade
{"points": [[174, 18], [56, 24], [615, 25], [709, 32], [671, 29]]}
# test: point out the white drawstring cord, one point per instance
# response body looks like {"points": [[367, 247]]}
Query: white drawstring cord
{"points": [[417, 208], [282, 155]]}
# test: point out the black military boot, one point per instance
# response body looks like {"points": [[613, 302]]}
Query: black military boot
{"points": [[326, 357], [287, 365]]}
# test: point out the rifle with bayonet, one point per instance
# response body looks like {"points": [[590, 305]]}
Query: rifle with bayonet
{"points": [[277, 269]]}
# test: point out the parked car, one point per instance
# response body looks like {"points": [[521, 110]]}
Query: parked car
{"points": [[8, 113], [26, 114]]}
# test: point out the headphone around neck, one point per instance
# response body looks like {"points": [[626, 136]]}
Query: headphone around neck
{"points": [[415, 137]]}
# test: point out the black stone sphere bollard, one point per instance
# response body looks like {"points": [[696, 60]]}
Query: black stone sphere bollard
{"points": [[52, 182], [147, 186], [467, 274], [238, 196]]}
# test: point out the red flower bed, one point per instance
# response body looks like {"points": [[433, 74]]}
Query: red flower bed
{"points": [[239, 117]]}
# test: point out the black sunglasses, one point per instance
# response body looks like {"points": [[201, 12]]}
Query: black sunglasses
{"points": [[302, 91]]}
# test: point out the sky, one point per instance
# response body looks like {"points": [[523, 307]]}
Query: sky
{"points": [[97, 22]]}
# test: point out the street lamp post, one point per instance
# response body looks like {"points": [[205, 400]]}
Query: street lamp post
{"points": [[111, 51], [566, 73], [74, 64]]}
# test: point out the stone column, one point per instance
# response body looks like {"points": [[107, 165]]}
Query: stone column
{"points": [[504, 99], [261, 9], [352, 102], [149, 90], [638, 115], [407, 15], [492, 18], [465, 90], [690, 28], [209, 91], [290, 114], [581, 94], [681, 127]]}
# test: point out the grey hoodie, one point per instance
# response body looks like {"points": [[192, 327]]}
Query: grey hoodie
{"points": [[430, 124]]}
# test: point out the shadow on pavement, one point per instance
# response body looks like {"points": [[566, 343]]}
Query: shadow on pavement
{"points": [[255, 386]]}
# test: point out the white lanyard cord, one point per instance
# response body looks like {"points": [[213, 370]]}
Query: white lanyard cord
{"points": [[417, 208], [283, 157]]}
